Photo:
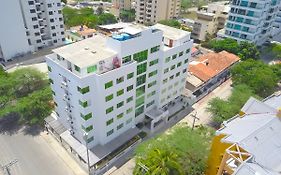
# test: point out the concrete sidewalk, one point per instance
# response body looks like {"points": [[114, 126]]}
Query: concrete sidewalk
{"points": [[63, 154]]}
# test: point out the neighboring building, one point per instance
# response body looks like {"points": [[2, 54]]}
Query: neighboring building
{"points": [[111, 28], [119, 5], [152, 11], [210, 19], [251, 21], [105, 85], [249, 143], [32, 25], [79, 33], [208, 72], [277, 23]]}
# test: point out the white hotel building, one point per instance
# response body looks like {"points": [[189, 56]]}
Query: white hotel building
{"points": [[29, 25], [104, 86], [251, 20]]}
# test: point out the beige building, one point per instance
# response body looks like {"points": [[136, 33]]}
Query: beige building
{"points": [[210, 19], [119, 5], [152, 11]]}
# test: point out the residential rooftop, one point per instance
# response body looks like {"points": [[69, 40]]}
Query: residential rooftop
{"points": [[211, 64], [82, 30], [86, 52], [171, 32]]}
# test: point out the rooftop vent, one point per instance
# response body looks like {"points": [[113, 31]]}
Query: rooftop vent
{"points": [[86, 48], [94, 52]]}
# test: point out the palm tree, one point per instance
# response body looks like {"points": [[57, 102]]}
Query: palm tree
{"points": [[159, 162]]}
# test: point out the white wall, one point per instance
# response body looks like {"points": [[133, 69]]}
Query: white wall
{"points": [[13, 38]]}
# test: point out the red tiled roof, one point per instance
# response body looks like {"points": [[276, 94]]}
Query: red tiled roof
{"points": [[211, 64]]}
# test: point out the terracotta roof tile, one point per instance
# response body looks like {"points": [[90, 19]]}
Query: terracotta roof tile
{"points": [[211, 64]]}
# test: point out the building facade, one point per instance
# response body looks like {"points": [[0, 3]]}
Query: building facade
{"points": [[38, 22], [152, 11], [119, 5], [251, 21], [104, 86]]}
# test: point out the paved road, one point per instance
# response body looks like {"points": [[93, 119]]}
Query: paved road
{"points": [[35, 157]]}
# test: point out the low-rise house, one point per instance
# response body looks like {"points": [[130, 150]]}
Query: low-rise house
{"points": [[208, 72], [249, 143], [79, 33]]}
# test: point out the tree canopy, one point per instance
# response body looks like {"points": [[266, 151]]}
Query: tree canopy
{"points": [[260, 77], [180, 151], [128, 15], [244, 50], [25, 92], [171, 23], [85, 16], [225, 109]]}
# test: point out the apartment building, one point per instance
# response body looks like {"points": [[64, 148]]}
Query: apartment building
{"points": [[251, 21], [152, 11], [210, 19], [36, 24], [104, 85], [119, 5], [277, 22]]}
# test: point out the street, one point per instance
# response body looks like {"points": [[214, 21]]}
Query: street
{"points": [[34, 155]]}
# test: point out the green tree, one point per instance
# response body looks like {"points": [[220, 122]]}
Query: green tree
{"points": [[99, 10], [190, 149], [228, 44], [171, 22], [107, 18], [128, 15], [162, 162], [258, 76], [222, 110], [248, 51], [64, 1], [276, 49]]}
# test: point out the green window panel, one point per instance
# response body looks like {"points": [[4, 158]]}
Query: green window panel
{"points": [[174, 56], [119, 116], [86, 117], [83, 90], [187, 51], [53, 92], [87, 129], [77, 68], [173, 67], [119, 105], [109, 97], [108, 84], [51, 81], [49, 69], [55, 103], [90, 139], [129, 88], [140, 91], [129, 121], [129, 110], [119, 80], [171, 77], [130, 75], [165, 80], [139, 111], [181, 54], [177, 74], [150, 103], [141, 80], [140, 56], [120, 92], [110, 132], [109, 122], [166, 70], [152, 73], [140, 101], [151, 94], [129, 99], [151, 63], [141, 68], [120, 126], [109, 110], [154, 49], [83, 104], [184, 70], [126, 59], [167, 59], [91, 69], [179, 64], [151, 84], [186, 61]]}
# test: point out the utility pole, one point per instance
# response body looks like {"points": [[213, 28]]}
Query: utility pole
{"points": [[6, 167], [194, 115]]}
